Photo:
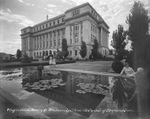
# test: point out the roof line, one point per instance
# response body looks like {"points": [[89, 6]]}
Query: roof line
{"points": [[50, 19]]}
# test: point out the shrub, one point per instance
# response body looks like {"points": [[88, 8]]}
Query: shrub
{"points": [[117, 66], [83, 50], [26, 59]]}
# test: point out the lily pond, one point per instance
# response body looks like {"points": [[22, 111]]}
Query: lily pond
{"points": [[54, 93]]}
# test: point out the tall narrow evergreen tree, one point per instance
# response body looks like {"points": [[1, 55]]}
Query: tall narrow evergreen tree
{"points": [[18, 54], [83, 50], [64, 48], [138, 28], [118, 42], [95, 52]]}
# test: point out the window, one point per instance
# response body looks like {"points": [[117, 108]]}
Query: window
{"points": [[91, 38], [50, 34], [70, 52], [75, 52], [58, 21], [49, 24], [40, 43], [62, 19], [81, 38], [54, 22], [58, 33], [54, 52], [54, 34], [75, 38], [63, 31], [58, 42], [46, 25], [54, 42], [50, 43], [43, 43], [47, 43], [75, 12]]}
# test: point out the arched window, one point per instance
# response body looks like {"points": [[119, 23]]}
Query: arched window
{"points": [[43, 53], [50, 52], [46, 53]]}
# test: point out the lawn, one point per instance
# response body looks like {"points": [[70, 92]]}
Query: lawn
{"points": [[100, 66]]}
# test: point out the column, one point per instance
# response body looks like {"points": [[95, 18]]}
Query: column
{"points": [[101, 35], [61, 38], [79, 37], [48, 40], [35, 43], [32, 43], [72, 35], [42, 41], [52, 39]]}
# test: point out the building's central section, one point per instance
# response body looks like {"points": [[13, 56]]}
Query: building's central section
{"points": [[81, 23]]}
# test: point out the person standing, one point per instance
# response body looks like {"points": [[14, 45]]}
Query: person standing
{"points": [[50, 59], [54, 61]]}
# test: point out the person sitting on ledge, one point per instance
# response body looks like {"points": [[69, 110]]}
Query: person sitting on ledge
{"points": [[127, 70]]}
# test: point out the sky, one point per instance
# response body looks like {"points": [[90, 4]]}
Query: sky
{"points": [[18, 14]]}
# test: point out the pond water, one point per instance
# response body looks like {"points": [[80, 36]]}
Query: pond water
{"points": [[56, 90]]}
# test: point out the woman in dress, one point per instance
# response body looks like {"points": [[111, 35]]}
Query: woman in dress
{"points": [[127, 70], [50, 59], [54, 61]]}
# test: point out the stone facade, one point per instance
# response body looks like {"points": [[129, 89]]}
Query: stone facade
{"points": [[76, 24]]}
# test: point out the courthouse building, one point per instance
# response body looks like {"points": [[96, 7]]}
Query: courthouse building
{"points": [[81, 23]]}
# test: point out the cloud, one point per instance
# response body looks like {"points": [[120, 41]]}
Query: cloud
{"points": [[78, 2], [10, 46], [51, 5], [21, 1], [67, 1], [25, 3], [8, 10], [10, 17]]}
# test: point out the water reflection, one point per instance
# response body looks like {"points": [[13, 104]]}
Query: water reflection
{"points": [[73, 90], [65, 90], [125, 96]]}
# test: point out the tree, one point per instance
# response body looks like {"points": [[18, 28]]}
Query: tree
{"points": [[118, 42], [26, 59], [64, 48], [59, 55], [83, 50], [95, 53], [18, 54], [138, 28]]}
